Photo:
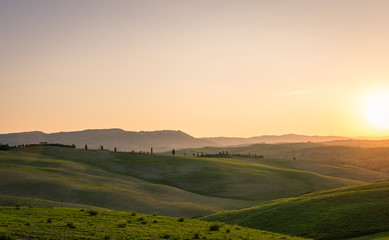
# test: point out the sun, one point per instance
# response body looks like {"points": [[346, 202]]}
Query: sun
{"points": [[376, 109]]}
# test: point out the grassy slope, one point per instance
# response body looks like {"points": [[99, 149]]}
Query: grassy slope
{"points": [[376, 158], [164, 185], [64, 223], [244, 179], [27, 174], [375, 236], [332, 214], [24, 201]]}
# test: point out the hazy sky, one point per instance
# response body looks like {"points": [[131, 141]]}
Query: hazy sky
{"points": [[206, 67]]}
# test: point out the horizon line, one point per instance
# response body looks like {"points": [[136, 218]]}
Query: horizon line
{"points": [[177, 130]]}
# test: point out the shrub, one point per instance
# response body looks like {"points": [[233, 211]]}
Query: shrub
{"points": [[133, 214], [196, 236], [214, 227], [181, 220], [144, 222], [155, 221], [49, 220], [6, 236], [92, 212], [70, 225], [141, 219], [121, 223], [228, 231], [166, 236]]}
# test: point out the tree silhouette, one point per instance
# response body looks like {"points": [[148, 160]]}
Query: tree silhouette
{"points": [[5, 147], [101, 148], [115, 149], [151, 150], [174, 152]]}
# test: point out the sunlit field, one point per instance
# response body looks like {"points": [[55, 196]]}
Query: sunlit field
{"points": [[194, 119]]}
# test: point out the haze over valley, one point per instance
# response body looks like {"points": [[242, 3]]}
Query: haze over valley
{"points": [[161, 141], [196, 119]]}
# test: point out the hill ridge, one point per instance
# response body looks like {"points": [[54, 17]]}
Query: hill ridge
{"points": [[160, 140], [340, 213]]}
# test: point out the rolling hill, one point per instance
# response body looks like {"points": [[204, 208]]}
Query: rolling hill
{"points": [[160, 184], [79, 177], [333, 214], [301, 155], [359, 143], [286, 138]]}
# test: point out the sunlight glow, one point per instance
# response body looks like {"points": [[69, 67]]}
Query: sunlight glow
{"points": [[376, 109]]}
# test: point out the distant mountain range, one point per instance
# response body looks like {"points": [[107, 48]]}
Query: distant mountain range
{"points": [[110, 138], [287, 138], [161, 141]]}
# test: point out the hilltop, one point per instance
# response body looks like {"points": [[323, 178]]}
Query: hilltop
{"points": [[333, 214]]}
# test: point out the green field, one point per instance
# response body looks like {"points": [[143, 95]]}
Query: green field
{"points": [[272, 195], [159, 184], [79, 177], [73, 223], [333, 214]]}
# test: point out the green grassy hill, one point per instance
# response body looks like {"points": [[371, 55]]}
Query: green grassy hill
{"points": [[160, 184], [28, 201], [333, 214], [65, 223], [38, 174]]}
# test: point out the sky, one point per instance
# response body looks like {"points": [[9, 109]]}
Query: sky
{"points": [[209, 68]]}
